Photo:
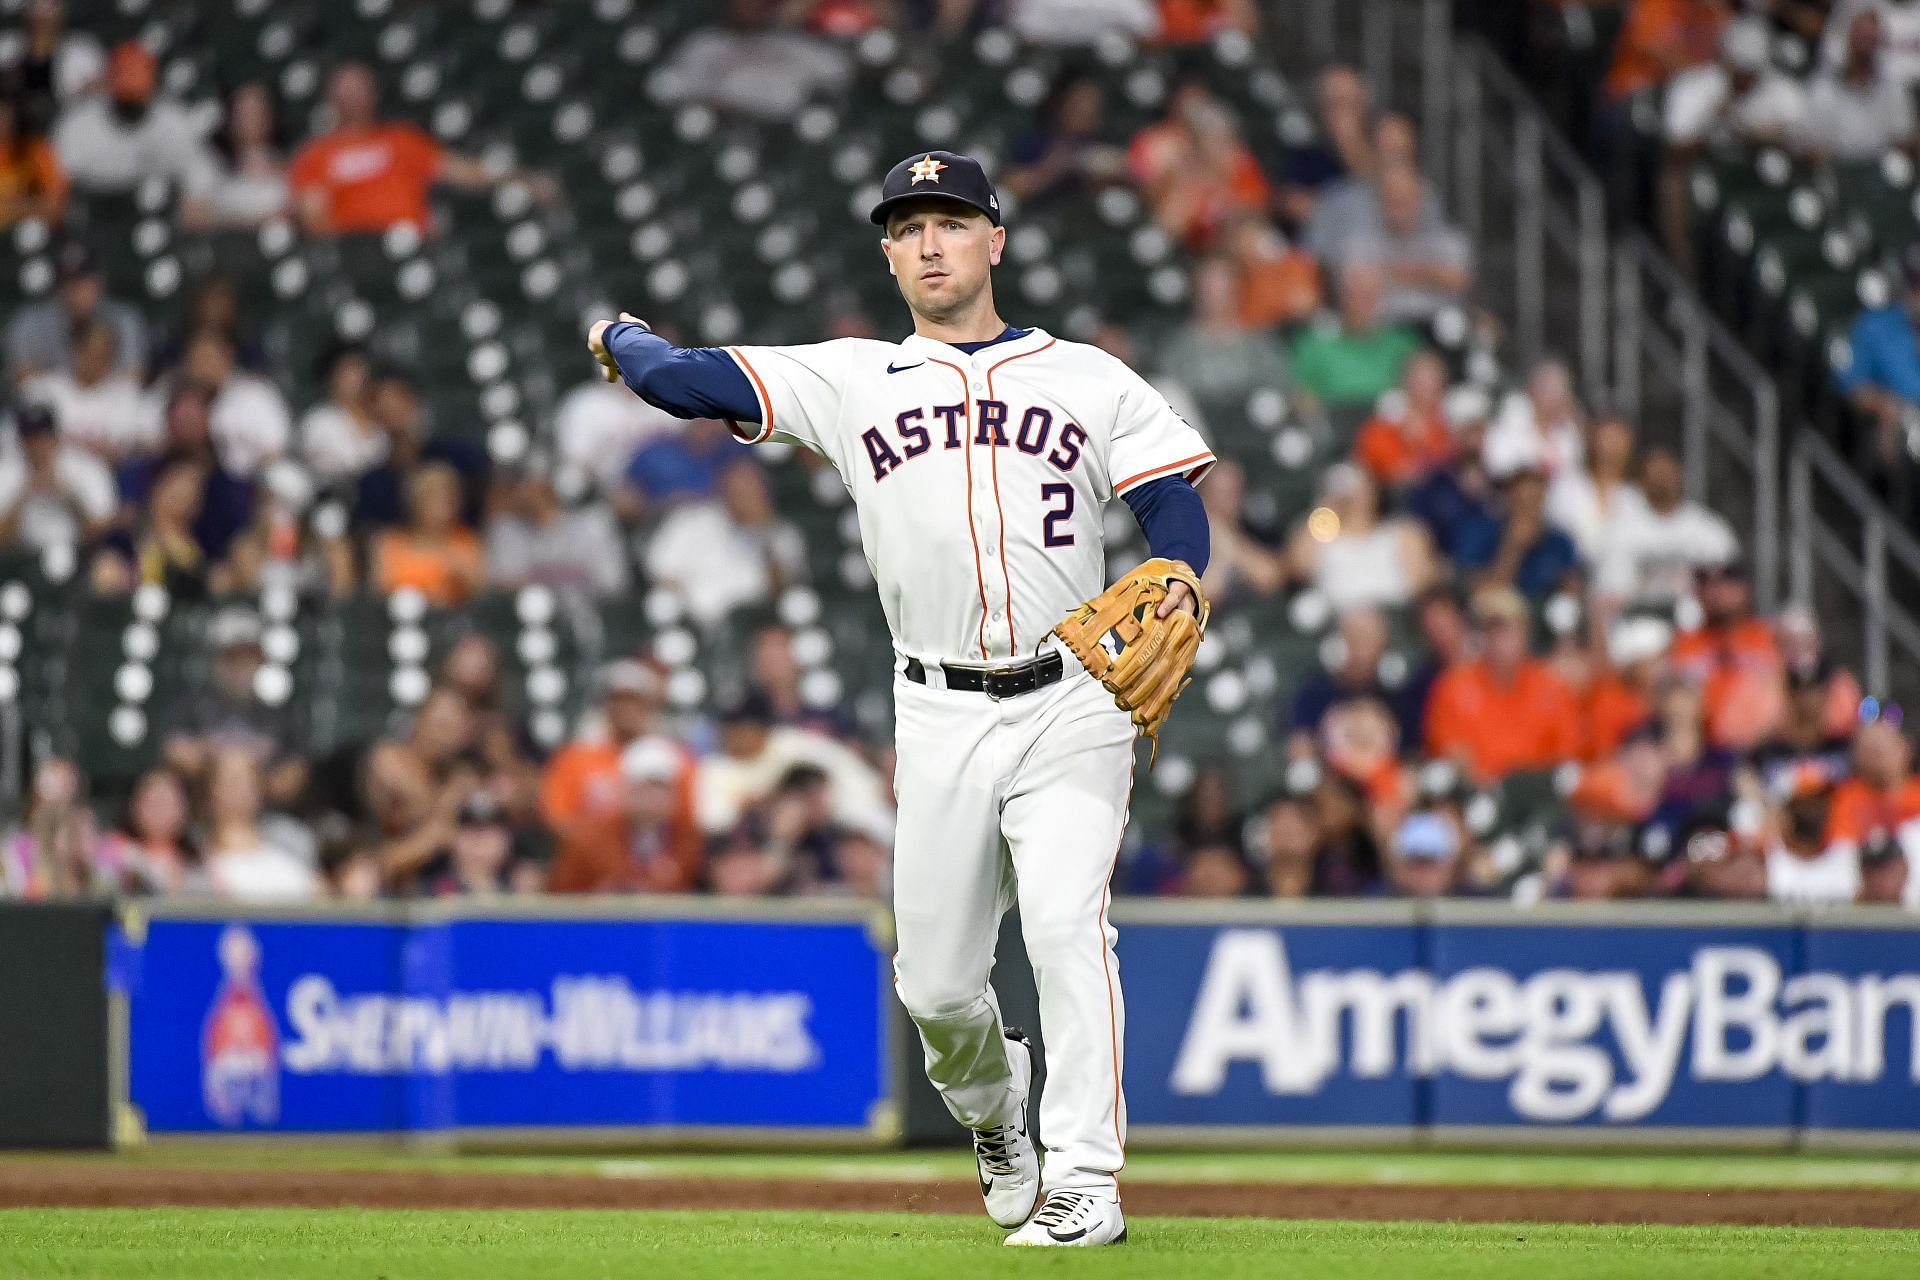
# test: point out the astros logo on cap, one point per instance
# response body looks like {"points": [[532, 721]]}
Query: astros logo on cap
{"points": [[926, 169]]}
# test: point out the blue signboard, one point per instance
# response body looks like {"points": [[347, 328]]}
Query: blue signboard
{"points": [[1547, 1022], [313, 1026]]}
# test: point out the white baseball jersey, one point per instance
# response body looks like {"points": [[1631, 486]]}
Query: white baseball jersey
{"points": [[978, 478]]}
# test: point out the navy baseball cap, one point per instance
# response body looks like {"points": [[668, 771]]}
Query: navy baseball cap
{"points": [[937, 173]]}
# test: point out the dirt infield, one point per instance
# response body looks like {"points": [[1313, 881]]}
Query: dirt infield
{"points": [[86, 1184]]}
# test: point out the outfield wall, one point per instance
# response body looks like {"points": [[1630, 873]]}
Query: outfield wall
{"points": [[683, 1019]]}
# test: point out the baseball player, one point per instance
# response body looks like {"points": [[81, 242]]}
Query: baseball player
{"points": [[979, 456]]}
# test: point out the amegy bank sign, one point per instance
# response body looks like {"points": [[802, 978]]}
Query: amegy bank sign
{"points": [[1526, 1025]]}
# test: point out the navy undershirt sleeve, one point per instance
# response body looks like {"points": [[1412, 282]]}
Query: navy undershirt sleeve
{"points": [[688, 382], [1173, 518]]}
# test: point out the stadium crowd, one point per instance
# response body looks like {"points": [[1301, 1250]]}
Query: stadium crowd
{"points": [[1576, 617]]}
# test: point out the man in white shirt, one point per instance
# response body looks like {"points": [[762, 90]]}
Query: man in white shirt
{"points": [[96, 406], [598, 427], [755, 755], [1538, 429], [1899, 31], [727, 553], [1427, 263], [1653, 548], [1857, 111], [1740, 96], [112, 144], [537, 537], [251, 422], [51, 493]]}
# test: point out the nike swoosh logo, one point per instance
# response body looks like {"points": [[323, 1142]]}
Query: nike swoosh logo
{"points": [[1068, 1238], [986, 1186], [891, 368]]}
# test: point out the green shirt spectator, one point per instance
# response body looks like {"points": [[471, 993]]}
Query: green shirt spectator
{"points": [[1352, 363]]}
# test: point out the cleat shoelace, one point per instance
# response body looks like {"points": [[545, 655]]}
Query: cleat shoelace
{"points": [[1060, 1206], [994, 1148]]}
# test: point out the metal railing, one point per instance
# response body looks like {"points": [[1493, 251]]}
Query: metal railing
{"points": [[1640, 339]]}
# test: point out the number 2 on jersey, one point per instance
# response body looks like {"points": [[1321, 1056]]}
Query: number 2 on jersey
{"points": [[1056, 537]]}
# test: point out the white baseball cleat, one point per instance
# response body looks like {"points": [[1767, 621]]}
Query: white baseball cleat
{"points": [[1009, 1166], [1074, 1216]]}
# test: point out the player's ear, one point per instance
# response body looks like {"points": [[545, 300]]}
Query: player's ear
{"points": [[886, 251], [996, 245]]}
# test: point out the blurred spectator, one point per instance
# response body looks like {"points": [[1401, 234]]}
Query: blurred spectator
{"points": [[1805, 866], [1341, 145], [1356, 675], [501, 738], [1881, 801], [646, 841], [1217, 356], [1539, 428], [51, 493], [32, 183], [290, 543], [1289, 836], [1241, 564], [599, 426], [41, 335], [1423, 861], [1739, 97], [1444, 641], [1582, 499], [1899, 35], [414, 787], [98, 407], [227, 712], [1803, 744], [56, 851], [1350, 364], [583, 787], [1511, 544], [1598, 863], [753, 64], [1348, 212], [212, 305], [364, 174], [226, 501], [723, 554], [1880, 373], [1857, 111], [1279, 283], [1354, 556], [1346, 855], [162, 546], [1360, 741], [47, 66], [535, 537], [154, 840], [1066, 154], [1408, 434], [755, 755], [1734, 657], [1660, 38], [247, 859], [1653, 548], [109, 145], [1619, 699], [380, 497], [1426, 261], [683, 464], [1195, 171], [1215, 871], [480, 859], [434, 553], [248, 417], [339, 439], [239, 179], [1697, 781], [1207, 814], [1798, 637], [773, 671], [1503, 711]]}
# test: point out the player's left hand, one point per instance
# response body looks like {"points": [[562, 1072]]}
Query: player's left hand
{"points": [[596, 343], [1179, 596]]}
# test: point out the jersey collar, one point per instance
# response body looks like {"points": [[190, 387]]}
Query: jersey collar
{"points": [[1033, 340]]}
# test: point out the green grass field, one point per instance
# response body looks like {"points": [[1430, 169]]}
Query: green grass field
{"points": [[116, 1244], [355, 1244]]}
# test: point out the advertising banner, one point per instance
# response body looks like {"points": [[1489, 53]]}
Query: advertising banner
{"points": [[314, 1026]]}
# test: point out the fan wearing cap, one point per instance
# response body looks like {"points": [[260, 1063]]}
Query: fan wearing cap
{"points": [[481, 857], [111, 143], [52, 494], [40, 337], [228, 710], [979, 455], [583, 787], [1878, 808], [570, 543], [1502, 711], [647, 842], [1734, 657]]}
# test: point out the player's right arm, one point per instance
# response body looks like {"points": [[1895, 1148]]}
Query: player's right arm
{"points": [[787, 393]]}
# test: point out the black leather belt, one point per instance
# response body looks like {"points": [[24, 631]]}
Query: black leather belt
{"points": [[995, 682]]}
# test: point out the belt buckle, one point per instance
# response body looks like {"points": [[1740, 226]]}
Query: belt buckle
{"points": [[989, 685]]}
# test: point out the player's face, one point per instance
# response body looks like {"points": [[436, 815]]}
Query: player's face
{"points": [[943, 255]]}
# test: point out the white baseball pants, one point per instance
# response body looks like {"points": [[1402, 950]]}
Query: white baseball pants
{"points": [[1017, 800]]}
